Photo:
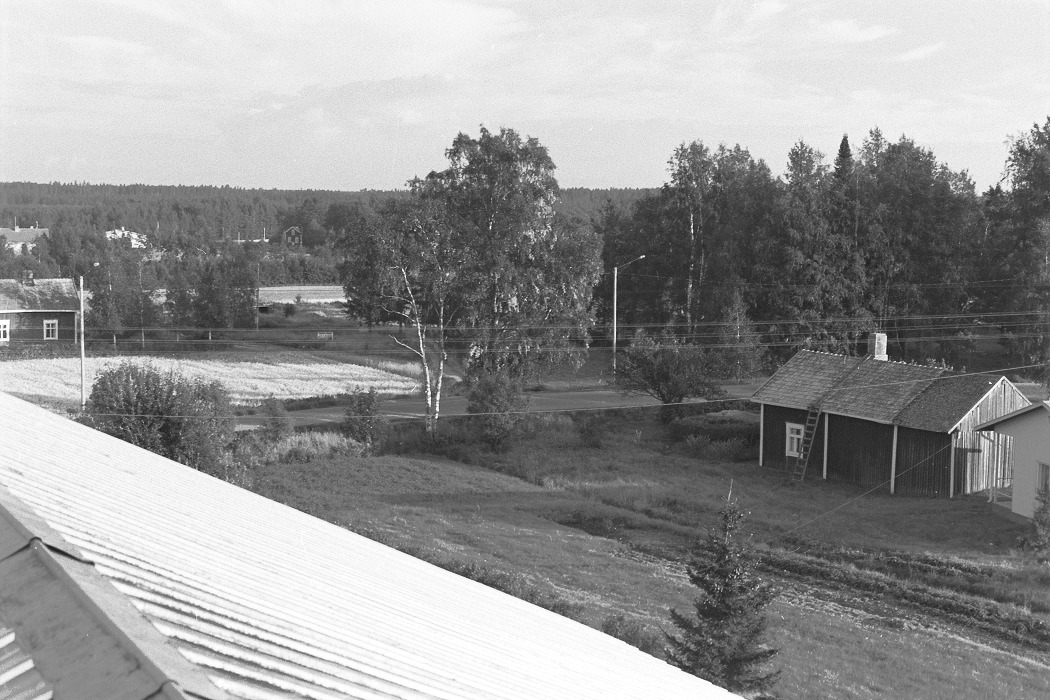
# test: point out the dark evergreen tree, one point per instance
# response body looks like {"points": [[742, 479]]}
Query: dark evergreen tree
{"points": [[721, 641]]}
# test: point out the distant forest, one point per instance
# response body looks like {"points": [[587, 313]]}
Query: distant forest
{"points": [[177, 217], [880, 236]]}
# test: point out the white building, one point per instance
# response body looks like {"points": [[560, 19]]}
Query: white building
{"points": [[21, 240], [1030, 429], [138, 240]]}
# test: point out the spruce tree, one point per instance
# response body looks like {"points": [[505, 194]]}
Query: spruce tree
{"points": [[722, 640]]}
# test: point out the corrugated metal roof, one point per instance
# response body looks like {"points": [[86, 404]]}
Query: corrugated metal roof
{"points": [[19, 677], [271, 602], [912, 396], [43, 295]]}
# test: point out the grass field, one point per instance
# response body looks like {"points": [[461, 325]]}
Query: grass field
{"points": [[249, 376], [604, 526]]}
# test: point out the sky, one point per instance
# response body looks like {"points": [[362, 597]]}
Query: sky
{"points": [[347, 95]]}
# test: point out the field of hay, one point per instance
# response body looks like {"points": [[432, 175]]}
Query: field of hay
{"points": [[249, 377]]}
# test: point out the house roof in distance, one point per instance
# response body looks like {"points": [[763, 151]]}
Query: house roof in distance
{"points": [[48, 294], [263, 601], [912, 396], [22, 235]]}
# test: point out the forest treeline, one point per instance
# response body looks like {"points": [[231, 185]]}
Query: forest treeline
{"points": [[881, 235]]}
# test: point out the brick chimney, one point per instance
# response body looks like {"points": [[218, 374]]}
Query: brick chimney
{"points": [[877, 346]]}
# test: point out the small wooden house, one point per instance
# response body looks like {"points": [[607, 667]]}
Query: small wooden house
{"points": [[38, 311], [907, 428]]}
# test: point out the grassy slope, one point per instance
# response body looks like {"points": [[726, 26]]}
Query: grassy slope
{"points": [[647, 503]]}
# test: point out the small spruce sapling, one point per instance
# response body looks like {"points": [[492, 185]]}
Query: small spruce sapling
{"points": [[721, 641]]}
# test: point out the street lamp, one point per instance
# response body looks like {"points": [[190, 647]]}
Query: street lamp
{"points": [[616, 274]]}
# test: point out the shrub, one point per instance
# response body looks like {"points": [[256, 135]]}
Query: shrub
{"points": [[715, 428], [669, 370], [1040, 539], [590, 427], [733, 450], [497, 404], [306, 447], [290, 310], [187, 420], [278, 423], [361, 419], [696, 445], [635, 634]]}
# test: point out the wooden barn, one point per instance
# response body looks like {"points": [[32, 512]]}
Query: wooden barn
{"points": [[870, 421], [38, 311]]}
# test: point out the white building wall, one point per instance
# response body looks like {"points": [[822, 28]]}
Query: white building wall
{"points": [[1031, 433]]}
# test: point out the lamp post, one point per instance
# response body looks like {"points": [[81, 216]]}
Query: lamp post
{"points": [[616, 275]]}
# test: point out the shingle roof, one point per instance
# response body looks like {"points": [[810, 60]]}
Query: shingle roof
{"points": [[270, 602], [940, 406], [912, 396], [878, 389], [804, 379], [43, 295]]}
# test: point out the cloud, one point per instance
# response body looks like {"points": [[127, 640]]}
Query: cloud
{"points": [[847, 31], [919, 53]]}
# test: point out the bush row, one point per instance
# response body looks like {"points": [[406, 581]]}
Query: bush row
{"points": [[715, 429]]}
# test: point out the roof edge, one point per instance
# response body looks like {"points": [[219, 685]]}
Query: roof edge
{"points": [[102, 601], [990, 424]]}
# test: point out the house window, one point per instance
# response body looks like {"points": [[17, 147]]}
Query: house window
{"points": [[51, 329], [5, 331], [1044, 477], [793, 445]]}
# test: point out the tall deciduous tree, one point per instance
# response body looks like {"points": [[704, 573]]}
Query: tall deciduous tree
{"points": [[417, 264], [690, 169], [1022, 243], [536, 270]]}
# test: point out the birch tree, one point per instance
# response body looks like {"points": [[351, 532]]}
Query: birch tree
{"points": [[414, 265], [690, 167]]}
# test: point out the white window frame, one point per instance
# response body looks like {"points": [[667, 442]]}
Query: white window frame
{"points": [[50, 329], [1042, 477], [5, 332], [793, 433]]}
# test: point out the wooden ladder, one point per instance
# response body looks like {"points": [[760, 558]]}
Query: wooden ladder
{"points": [[806, 449]]}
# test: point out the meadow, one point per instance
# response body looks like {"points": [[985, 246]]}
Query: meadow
{"points": [[250, 376], [879, 596]]}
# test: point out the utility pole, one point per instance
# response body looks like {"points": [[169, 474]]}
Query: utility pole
{"points": [[83, 381], [616, 276]]}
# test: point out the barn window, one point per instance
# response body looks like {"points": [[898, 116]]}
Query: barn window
{"points": [[51, 329], [5, 331], [1044, 477], [793, 445]]}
